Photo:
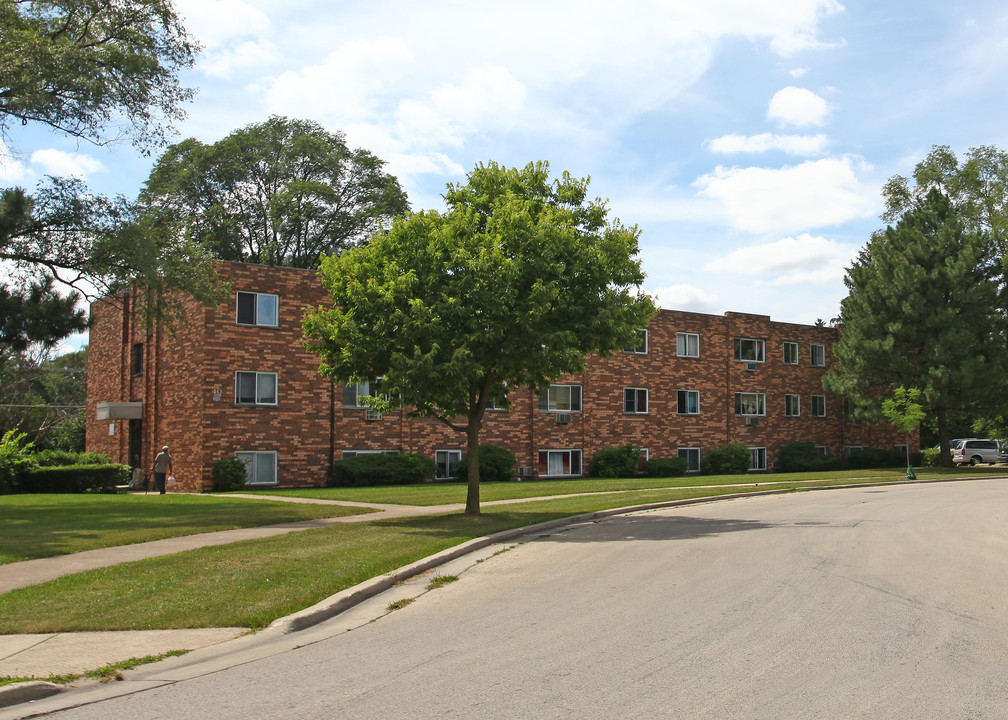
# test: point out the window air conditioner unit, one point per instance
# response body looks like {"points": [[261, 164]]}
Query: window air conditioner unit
{"points": [[370, 414], [752, 421], [525, 471], [563, 417], [751, 367]]}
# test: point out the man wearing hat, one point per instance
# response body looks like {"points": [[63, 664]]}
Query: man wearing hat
{"points": [[162, 466]]}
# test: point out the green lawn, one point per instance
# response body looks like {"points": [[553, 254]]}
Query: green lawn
{"points": [[34, 526]]}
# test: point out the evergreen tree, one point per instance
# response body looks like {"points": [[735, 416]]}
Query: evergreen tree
{"points": [[926, 309]]}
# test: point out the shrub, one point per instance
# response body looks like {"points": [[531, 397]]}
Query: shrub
{"points": [[75, 479], [496, 464], [15, 460], [803, 457], [380, 469], [228, 474], [665, 467], [615, 462], [874, 458], [58, 458], [931, 458], [728, 460]]}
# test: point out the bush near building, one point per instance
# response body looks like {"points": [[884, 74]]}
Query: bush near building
{"points": [[381, 469], [665, 467], [615, 462], [804, 457], [731, 459], [228, 474], [496, 464]]}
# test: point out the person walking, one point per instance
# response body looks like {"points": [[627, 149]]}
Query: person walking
{"points": [[162, 467]]}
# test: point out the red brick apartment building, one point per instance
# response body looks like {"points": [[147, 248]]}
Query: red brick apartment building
{"points": [[235, 380]]}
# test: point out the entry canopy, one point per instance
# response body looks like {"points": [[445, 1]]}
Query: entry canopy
{"points": [[120, 410]]}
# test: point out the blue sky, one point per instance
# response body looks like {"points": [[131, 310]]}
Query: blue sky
{"points": [[748, 140]]}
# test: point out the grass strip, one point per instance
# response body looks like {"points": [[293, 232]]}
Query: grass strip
{"points": [[447, 493], [102, 674], [35, 526]]}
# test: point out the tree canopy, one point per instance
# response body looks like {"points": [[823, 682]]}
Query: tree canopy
{"points": [[926, 309], [281, 192], [514, 285], [98, 70]]}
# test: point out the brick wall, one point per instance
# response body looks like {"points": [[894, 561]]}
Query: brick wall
{"points": [[188, 391]]}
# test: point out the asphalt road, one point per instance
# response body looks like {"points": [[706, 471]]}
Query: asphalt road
{"points": [[862, 603]]}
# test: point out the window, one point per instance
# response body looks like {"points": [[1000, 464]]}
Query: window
{"points": [[757, 458], [446, 461], [635, 400], [687, 344], [559, 462], [561, 398], [790, 353], [255, 388], [749, 350], [136, 359], [818, 406], [750, 403], [818, 355], [688, 402], [692, 456], [641, 459], [260, 467], [821, 449], [792, 405], [641, 347], [256, 309], [353, 392]]}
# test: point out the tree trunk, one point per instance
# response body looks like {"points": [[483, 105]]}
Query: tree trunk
{"points": [[472, 457]]}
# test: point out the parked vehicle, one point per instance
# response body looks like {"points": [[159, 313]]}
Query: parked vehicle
{"points": [[975, 451]]}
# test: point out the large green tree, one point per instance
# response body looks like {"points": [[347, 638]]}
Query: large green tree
{"points": [[514, 285], [99, 70], [90, 245], [926, 309], [280, 192], [43, 395]]}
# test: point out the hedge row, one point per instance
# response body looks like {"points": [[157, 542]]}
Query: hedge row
{"points": [[73, 479]]}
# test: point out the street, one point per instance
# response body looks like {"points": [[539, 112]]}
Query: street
{"points": [[883, 602]]}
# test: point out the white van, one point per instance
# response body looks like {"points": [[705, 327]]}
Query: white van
{"points": [[975, 451]]}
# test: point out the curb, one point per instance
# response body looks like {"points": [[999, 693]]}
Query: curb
{"points": [[16, 693]]}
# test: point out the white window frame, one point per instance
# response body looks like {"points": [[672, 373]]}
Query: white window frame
{"points": [[741, 402], [757, 459], [687, 393], [559, 454], [451, 458], [818, 359], [259, 398], [822, 450], [640, 349], [554, 401], [819, 412], [363, 388], [632, 401], [790, 353], [682, 343], [261, 299], [251, 460], [789, 399], [758, 350], [688, 453]]}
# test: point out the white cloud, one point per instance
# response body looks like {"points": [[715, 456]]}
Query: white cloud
{"points": [[216, 23], [764, 142], [797, 107], [59, 163], [11, 169], [790, 261], [820, 193], [686, 297]]}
